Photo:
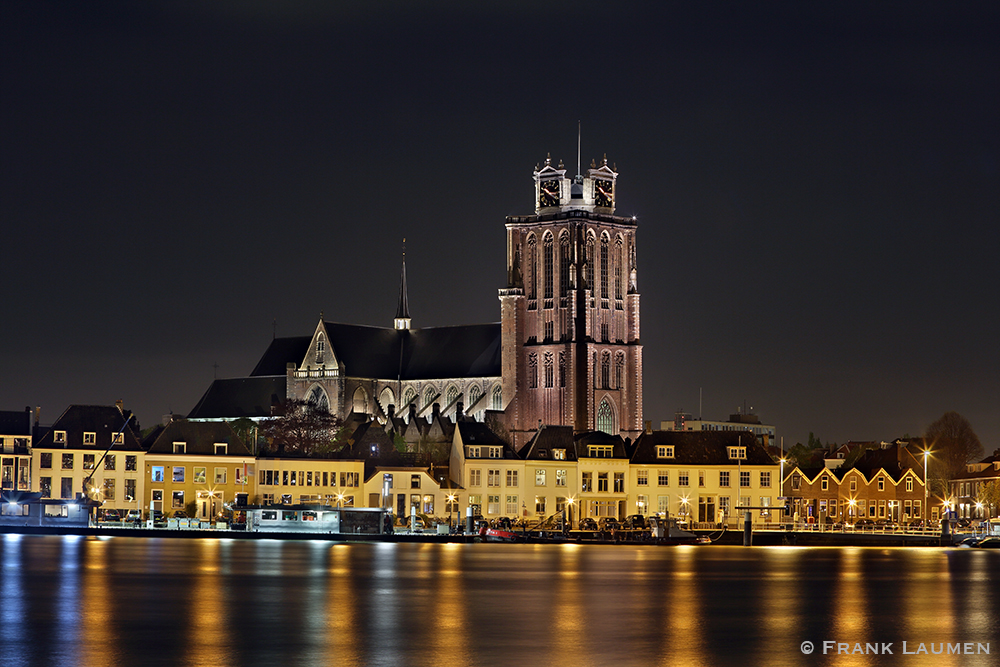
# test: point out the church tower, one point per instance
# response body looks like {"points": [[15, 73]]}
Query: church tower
{"points": [[570, 312]]}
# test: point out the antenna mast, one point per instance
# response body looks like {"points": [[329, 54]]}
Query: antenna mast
{"points": [[578, 132]]}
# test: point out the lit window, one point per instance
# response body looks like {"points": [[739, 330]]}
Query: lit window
{"points": [[664, 451], [221, 449], [180, 447], [540, 477], [559, 454], [642, 477], [89, 438]]}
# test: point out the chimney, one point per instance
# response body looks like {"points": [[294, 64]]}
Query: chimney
{"points": [[459, 411], [435, 411], [391, 410], [649, 427]]}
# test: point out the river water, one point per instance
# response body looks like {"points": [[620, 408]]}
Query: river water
{"points": [[158, 601]]}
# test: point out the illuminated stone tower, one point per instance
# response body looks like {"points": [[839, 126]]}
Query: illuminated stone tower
{"points": [[570, 312]]}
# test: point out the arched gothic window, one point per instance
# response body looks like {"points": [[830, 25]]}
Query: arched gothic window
{"points": [[547, 269], [320, 349], [385, 399], [475, 393], [606, 418], [497, 397], [564, 265], [409, 396], [562, 369], [619, 370], [604, 268], [591, 258], [606, 370], [618, 268], [549, 371], [360, 401], [530, 268], [451, 395], [319, 399], [532, 371], [429, 394]]}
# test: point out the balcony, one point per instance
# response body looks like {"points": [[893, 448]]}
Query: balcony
{"points": [[317, 373]]}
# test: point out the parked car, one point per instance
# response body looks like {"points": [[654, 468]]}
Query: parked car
{"points": [[861, 524], [134, 517], [180, 514], [635, 522], [608, 523], [588, 524], [111, 516], [158, 519]]}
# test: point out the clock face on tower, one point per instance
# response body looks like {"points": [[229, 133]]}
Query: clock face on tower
{"points": [[548, 193], [604, 193]]}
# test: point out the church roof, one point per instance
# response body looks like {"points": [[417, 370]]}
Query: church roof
{"points": [[379, 352], [240, 397]]}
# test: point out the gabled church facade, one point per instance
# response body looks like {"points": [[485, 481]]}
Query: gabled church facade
{"points": [[566, 350]]}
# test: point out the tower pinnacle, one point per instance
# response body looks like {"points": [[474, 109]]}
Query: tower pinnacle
{"points": [[402, 320]]}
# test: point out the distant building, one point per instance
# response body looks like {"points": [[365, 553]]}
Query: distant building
{"points": [[746, 422], [15, 445]]}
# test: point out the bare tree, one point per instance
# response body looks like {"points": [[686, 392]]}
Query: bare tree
{"points": [[302, 428], [953, 445]]}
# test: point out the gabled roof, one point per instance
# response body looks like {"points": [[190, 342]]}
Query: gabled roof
{"points": [[478, 434], [700, 448], [240, 397], [545, 440], [199, 438], [409, 354], [103, 420]]}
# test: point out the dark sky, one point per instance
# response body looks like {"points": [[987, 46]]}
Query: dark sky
{"points": [[817, 188]]}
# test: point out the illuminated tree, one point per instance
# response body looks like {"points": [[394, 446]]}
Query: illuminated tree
{"points": [[302, 428]]}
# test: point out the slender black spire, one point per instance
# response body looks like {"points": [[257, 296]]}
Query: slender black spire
{"points": [[402, 320]]}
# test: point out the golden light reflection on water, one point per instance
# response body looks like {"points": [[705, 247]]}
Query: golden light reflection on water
{"points": [[683, 620], [567, 609], [209, 640], [448, 640], [97, 629], [931, 589], [342, 630]]}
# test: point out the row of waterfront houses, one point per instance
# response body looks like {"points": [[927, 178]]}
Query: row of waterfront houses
{"points": [[701, 477]]}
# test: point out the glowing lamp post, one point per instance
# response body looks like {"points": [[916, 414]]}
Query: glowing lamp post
{"points": [[926, 508], [451, 508]]}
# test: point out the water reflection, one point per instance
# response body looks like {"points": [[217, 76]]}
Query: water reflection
{"points": [[160, 601]]}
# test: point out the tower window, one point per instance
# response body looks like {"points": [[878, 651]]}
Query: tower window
{"points": [[564, 266], [590, 264], [532, 371], [547, 269], [618, 268], [497, 398], [604, 268], [529, 268], [606, 371], [548, 369], [606, 418], [548, 330]]}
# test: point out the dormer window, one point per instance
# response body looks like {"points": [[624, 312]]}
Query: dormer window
{"points": [[474, 452], [738, 452], [60, 437], [664, 451], [221, 449], [601, 451], [117, 438], [495, 452], [89, 438], [543, 453], [180, 448], [559, 454]]}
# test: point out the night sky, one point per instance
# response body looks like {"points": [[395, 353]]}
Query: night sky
{"points": [[817, 187]]}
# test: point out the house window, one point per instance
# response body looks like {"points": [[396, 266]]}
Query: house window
{"points": [[665, 451], [45, 461], [662, 504], [701, 479], [587, 482], [67, 487], [737, 452], [220, 475], [475, 477], [560, 478], [682, 478], [881, 483], [540, 477], [493, 504], [909, 484], [156, 474], [745, 479], [180, 447], [559, 454], [539, 504], [221, 449], [601, 451], [45, 486], [724, 478], [473, 453], [765, 479], [109, 489], [349, 479], [797, 480], [493, 477], [178, 474], [511, 506], [619, 482], [414, 481], [200, 475], [131, 462], [117, 438], [511, 478], [642, 478], [824, 483], [602, 482], [177, 499], [854, 484], [89, 438], [130, 490], [663, 478], [60, 437], [495, 452], [88, 461]]}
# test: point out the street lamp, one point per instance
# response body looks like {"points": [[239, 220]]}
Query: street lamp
{"points": [[927, 453], [781, 484], [340, 499], [451, 508], [568, 519]]}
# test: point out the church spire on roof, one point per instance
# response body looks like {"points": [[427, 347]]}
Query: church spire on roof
{"points": [[402, 320]]}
